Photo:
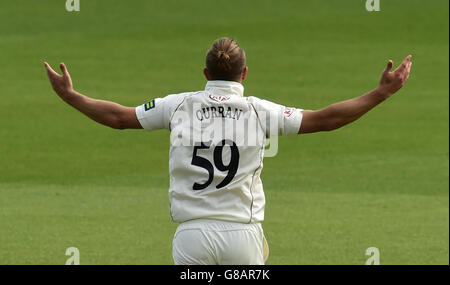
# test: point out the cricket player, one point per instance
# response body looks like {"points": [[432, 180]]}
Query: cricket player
{"points": [[217, 141]]}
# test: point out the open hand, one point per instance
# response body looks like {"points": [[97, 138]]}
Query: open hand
{"points": [[392, 81], [62, 84]]}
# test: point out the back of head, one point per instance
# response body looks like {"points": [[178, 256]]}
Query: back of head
{"points": [[225, 60]]}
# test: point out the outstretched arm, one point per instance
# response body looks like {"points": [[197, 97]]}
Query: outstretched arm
{"points": [[104, 112], [345, 112]]}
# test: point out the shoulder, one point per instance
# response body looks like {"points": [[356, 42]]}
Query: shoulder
{"points": [[180, 97], [262, 104], [175, 99]]}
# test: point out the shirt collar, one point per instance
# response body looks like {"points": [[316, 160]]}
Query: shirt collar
{"points": [[222, 87]]}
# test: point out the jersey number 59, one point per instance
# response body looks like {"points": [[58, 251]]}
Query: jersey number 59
{"points": [[232, 166]]}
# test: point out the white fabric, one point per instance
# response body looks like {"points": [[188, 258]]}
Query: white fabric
{"points": [[210, 116], [212, 242]]}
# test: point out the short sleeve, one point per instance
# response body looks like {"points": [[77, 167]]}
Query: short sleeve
{"points": [[277, 119], [156, 113]]}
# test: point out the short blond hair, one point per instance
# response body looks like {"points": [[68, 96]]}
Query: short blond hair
{"points": [[225, 60]]}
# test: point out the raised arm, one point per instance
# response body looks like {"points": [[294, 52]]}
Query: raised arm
{"points": [[104, 112], [345, 112]]}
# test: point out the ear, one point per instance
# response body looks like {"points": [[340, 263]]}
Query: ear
{"points": [[205, 72], [244, 73]]}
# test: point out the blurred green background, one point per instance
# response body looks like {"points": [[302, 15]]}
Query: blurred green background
{"points": [[381, 181]]}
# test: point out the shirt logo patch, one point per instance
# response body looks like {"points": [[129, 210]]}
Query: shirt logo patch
{"points": [[219, 98], [288, 112], [149, 105]]}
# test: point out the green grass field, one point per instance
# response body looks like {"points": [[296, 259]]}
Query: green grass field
{"points": [[381, 181]]}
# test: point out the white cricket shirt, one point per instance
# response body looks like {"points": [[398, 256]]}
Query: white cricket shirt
{"points": [[216, 149]]}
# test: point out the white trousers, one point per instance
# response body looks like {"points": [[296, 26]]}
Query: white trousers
{"points": [[214, 242]]}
